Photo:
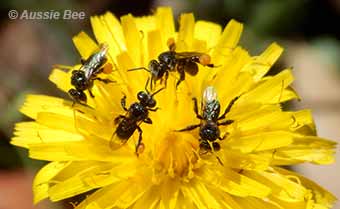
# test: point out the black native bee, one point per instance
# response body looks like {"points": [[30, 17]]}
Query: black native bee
{"points": [[169, 61], [83, 78], [136, 114], [209, 130]]}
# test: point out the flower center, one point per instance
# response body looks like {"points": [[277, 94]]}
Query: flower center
{"points": [[177, 154]]}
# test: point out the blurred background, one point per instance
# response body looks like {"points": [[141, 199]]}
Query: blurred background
{"points": [[308, 30]]}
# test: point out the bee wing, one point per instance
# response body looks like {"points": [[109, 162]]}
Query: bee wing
{"points": [[186, 55], [92, 68], [93, 64], [116, 142], [191, 68], [190, 60], [88, 71]]}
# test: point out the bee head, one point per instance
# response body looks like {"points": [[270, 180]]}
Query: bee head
{"points": [[79, 80], [78, 96], [146, 99]]}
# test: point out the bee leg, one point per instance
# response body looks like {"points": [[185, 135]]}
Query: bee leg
{"points": [[139, 143], [146, 85], [91, 94], [154, 110], [188, 128], [82, 61], [224, 123], [171, 44], [228, 108], [152, 83], [147, 120], [196, 109], [116, 120], [105, 80], [181, 77], [224, 136], [220, 161], [123, 103], [166, 78]]}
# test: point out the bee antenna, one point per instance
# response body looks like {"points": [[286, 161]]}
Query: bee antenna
{"points": [[217, 157], [146, 85], [159, 90], [62, 67], [219, 160], [139, 68]]}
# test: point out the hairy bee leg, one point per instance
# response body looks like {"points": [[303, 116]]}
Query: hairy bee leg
{"points": [[189, 128], [195, 106], [107, 68], [224, 123], [196, 109], [154, 83], [147, 120], [224, 136], [171, 44], [166, 78], [105, 80], [181, 72], [154, 110], [146, 85], [231, 103], [123, 103], [139, 143], [91, 94]]}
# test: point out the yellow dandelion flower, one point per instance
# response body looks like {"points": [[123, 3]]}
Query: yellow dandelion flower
{"points": [[173, 170]]}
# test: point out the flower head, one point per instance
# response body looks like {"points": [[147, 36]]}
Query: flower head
{"points": [[175, 167]]}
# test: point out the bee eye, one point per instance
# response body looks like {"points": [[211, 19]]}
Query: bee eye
{"points": [[153, 65], [152, 103], [142, 96]]}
